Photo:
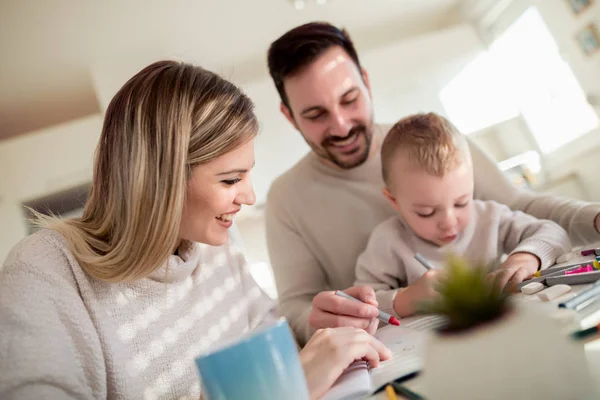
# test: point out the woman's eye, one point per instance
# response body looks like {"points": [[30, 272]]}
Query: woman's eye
{"points": [[230, 182]]}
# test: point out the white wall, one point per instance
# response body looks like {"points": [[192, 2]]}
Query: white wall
{"points": [[41, 163], [406, 77]]}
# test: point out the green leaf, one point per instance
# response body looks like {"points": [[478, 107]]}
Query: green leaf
{"points": [[467, 298]]}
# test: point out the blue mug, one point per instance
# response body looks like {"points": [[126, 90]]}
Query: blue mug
{"points": [[262, 365]]}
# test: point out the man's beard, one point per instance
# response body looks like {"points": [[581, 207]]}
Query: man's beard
{"points": [[328, 152]]}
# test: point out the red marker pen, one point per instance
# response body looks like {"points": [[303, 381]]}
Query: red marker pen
{"points": [[383, 316]]}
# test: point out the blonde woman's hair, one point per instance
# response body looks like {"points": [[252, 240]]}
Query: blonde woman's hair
{"points": [[428, 141], [167, 119]]}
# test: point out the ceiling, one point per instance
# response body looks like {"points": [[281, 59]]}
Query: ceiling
{"points": [[49, 47]]}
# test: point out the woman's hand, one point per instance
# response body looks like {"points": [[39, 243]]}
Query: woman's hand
{"points": [[330, 351]]}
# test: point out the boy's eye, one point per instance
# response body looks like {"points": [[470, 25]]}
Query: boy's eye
{"points": [[230, 182], [426, 215], [462, 205]]}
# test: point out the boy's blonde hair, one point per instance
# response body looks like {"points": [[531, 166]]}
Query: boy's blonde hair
{"points": [[429, 142]]}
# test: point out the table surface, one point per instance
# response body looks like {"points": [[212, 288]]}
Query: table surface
{"points": [[589, 316]]}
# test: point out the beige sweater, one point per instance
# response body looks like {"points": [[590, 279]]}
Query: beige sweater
{"points": [[388, 262], [67, 335], [319, 220]]}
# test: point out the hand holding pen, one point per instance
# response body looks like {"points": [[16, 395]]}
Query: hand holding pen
{"points": [[329, 310], [382, 316], [406, 299]]}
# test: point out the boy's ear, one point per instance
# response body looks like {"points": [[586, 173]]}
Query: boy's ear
{"points": [[388, 195]]}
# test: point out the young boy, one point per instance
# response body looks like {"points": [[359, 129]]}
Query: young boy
{"points": [[428, 174]]}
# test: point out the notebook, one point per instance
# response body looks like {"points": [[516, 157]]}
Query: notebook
{"points": [[407, 344]]}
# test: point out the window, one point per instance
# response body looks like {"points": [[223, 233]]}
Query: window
{"points": [[523, 72]]}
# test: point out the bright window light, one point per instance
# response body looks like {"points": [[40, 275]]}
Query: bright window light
{"points": [[523, 73], [477, 97], [263, 275]]}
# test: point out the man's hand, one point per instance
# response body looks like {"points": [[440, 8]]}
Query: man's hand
{"points": [[516, 268], [331, 311]]}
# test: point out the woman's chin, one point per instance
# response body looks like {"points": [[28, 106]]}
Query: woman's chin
{"points": [[218, 238]]}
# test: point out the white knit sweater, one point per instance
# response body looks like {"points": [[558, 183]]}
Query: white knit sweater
{"points": [[66, 335]]}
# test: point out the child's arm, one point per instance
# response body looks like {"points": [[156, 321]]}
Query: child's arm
{"points": [[382, 267], [532, 244]]}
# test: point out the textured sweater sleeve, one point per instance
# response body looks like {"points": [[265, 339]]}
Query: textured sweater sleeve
{"points": [[381, 267], [576, 217], [521, 233], [298, 275], [49, 348]]}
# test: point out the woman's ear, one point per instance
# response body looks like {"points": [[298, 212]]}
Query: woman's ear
{"points": [[388, 195]]}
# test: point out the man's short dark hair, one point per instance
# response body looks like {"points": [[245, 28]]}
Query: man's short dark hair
{"points": [[300, 46]]}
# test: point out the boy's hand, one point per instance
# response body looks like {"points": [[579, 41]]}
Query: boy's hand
{"points": [[422, 289], [516, 268]]}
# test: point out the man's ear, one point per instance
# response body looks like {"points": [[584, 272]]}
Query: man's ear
{"points": [[388, 195], [365, 76], [287, 113]]}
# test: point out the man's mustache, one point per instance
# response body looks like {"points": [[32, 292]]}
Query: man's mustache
{"points": [[354, 130]]}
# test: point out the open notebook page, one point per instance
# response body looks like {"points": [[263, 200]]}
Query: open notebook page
{"points": [[406, 343]]}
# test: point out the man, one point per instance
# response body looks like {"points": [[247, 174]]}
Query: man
{"points": [[321, 212]]}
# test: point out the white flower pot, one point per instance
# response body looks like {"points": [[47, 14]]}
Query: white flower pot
{"points": [[522, 355]]}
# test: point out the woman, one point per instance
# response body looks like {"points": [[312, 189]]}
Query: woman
{"points": [[117, 303]]}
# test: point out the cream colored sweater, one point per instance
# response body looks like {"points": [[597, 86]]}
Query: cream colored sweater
{"points": [[388, 262], [66, 335], [319, 219]]}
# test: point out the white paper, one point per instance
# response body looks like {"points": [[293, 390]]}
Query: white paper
{"points": [[407, 344]]}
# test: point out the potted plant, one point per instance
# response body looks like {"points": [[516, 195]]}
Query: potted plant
{"points": [[492, 347]]}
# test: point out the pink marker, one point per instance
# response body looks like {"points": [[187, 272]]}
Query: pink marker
{"points": [[587, 268]]}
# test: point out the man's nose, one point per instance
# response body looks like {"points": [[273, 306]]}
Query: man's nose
{"points": [[341, 124]]}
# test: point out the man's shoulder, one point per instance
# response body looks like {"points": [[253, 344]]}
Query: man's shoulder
{"points": [[488, 210], [288, 183], [483, 206]]}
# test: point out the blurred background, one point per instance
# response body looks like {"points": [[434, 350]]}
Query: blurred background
{"points": [[521, 77]]}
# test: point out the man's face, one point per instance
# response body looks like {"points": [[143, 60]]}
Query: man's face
{"points": [[331, 106]]}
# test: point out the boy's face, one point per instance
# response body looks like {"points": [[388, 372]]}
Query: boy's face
{"points": [[436, 209]]}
